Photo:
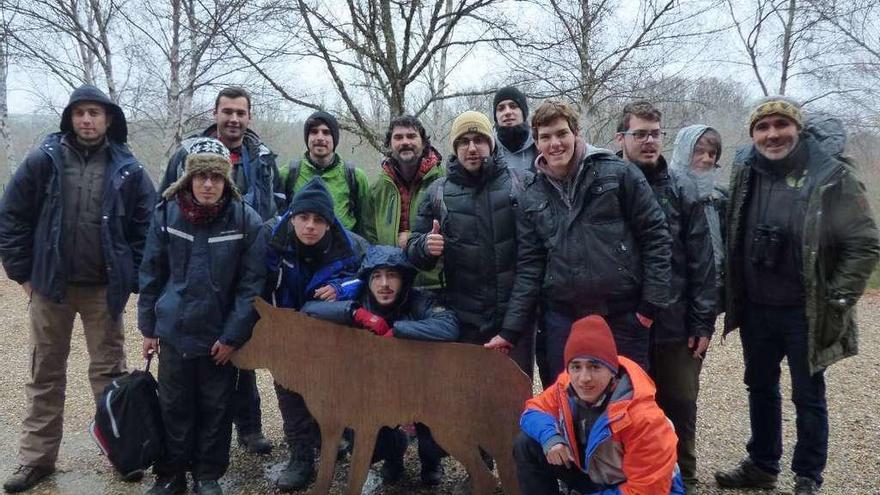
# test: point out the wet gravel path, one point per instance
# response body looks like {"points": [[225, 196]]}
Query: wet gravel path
{"points": [[854, 451]]}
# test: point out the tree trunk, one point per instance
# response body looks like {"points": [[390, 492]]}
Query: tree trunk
{"points": [[6, 159]]}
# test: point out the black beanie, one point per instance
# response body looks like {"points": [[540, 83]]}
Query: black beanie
{"points": [[316, 119], [314, 198], [510, 93]]}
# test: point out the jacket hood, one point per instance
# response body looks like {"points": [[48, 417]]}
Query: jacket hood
{"points": [[118, 130], [389, 257], [682, 155]]}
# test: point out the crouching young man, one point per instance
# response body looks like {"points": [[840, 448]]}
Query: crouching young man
{"points": [[597, 428], [203, 266], [392, 308], [310, 257]]}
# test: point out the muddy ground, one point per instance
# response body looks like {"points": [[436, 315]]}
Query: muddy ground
{"points": [[854, 411]]}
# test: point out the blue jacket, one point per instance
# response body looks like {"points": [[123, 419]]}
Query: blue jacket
{"points": [[417, 316], [198, 282], [265, 190], [31, 222], [290, 283]]}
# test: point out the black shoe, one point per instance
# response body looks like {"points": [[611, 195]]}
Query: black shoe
{"points": [[805, 486], [432, 474], [392, 471], [255, 443], [208, 487], [25, 477], [746, 475], [299, 471], [168, 485]]}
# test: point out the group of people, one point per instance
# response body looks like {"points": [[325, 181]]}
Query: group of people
{"points": [[606, 269]]}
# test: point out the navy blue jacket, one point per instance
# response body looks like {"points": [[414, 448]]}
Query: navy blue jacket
{"points": [[266, 191], [30, 222], [290, 284], [198, 282]]}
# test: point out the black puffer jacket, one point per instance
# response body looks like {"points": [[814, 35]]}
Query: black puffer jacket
{"points": [[478, 222], [608, 253], [693, 295]]}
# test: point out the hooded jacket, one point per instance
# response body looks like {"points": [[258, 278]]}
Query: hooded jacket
{"points": [[478, 221], [693, 295], [31, 216], [198, 281], [604, 248], [712, 196], [520, 159], [840, 243], [383, 220], [415, 315], [265, 190], [631, 447], [291, 283]]}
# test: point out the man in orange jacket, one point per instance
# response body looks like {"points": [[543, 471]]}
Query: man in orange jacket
{"points": [[601, 414]]}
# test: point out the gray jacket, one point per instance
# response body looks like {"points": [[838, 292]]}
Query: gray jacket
{"points": [[521, 159]]}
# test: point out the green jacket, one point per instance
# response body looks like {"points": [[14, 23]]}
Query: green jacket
{"points": [[334, 176], [383, 222], [840, 248]]}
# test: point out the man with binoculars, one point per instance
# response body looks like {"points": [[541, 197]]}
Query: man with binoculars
{"points": [[801, 245]]}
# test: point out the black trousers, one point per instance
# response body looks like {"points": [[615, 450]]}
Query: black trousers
{"points": [[247, 417], [536, 476], [195, 396], [300, 429]]}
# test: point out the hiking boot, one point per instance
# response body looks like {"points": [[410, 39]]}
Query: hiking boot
{"points": [[255, 443], [805, 486], [745, 475], [168, 485], [25, 477], [392, 470], [208, 487], [299, 471], [432, 474]]}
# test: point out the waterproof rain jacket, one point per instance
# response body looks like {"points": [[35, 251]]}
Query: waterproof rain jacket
{"points": [[630, 448], [384, 213], [608, 252], [198, 281], [265, 190], [417, 315], [693, 295], [840, 243], [290, 283], [351, 210], [477, 216], [31, 216]]}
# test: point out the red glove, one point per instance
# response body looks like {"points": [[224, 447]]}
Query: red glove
{"points": [[372, 322]]}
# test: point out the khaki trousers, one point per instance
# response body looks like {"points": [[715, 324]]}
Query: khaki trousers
{"points": [[51, 327]]}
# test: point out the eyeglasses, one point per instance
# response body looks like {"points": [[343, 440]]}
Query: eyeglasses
{"points": [[465, 142], [642, 136]]}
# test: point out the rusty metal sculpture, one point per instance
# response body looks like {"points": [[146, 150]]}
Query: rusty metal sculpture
{"points": [[470, 397]]}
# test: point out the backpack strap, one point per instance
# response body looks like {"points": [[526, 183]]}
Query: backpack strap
{"points": [[292, 176], [353, 199]]}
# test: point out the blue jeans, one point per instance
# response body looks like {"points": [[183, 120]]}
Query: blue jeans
{"points": [[630, 336], [770, 333]]}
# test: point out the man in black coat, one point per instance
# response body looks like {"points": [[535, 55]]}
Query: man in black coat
{"points": [[72, 228]]}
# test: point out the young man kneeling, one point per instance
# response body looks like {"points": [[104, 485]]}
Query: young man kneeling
{"points": [[598, 428]]}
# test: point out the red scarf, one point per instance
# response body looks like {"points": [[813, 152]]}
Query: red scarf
{"points": [[196, 213]]}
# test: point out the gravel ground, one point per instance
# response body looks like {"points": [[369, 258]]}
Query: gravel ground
{"points": [[853, 464]]}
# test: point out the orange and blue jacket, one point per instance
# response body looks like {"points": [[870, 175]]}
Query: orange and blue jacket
{"points": [[631, 448]]}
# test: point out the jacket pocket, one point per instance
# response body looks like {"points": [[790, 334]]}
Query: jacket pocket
{"points": [[604, 204], [545, 223]]}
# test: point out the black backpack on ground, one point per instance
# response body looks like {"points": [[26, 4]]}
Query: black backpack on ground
{"points": [[128, 422]]}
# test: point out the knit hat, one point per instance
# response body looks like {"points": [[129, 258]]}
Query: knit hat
{"points": [[204, 155], [776, 105], [314, 198], [591, 338], [471, 121], [511, 93], [318, 118]]}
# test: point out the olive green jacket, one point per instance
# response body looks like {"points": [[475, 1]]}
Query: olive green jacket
{"points": [[840, 248]]}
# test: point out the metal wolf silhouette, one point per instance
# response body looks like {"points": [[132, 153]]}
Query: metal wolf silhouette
{"points": [[469, 396]]}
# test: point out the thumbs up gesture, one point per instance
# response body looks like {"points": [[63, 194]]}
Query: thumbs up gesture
{"points": [[434, 241]]}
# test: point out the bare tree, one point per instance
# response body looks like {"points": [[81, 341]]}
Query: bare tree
{"points": [[601, 51], [382, 57], [7, 160]]}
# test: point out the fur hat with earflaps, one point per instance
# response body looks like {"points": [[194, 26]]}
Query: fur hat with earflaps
{"points": [[204, 155]]}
